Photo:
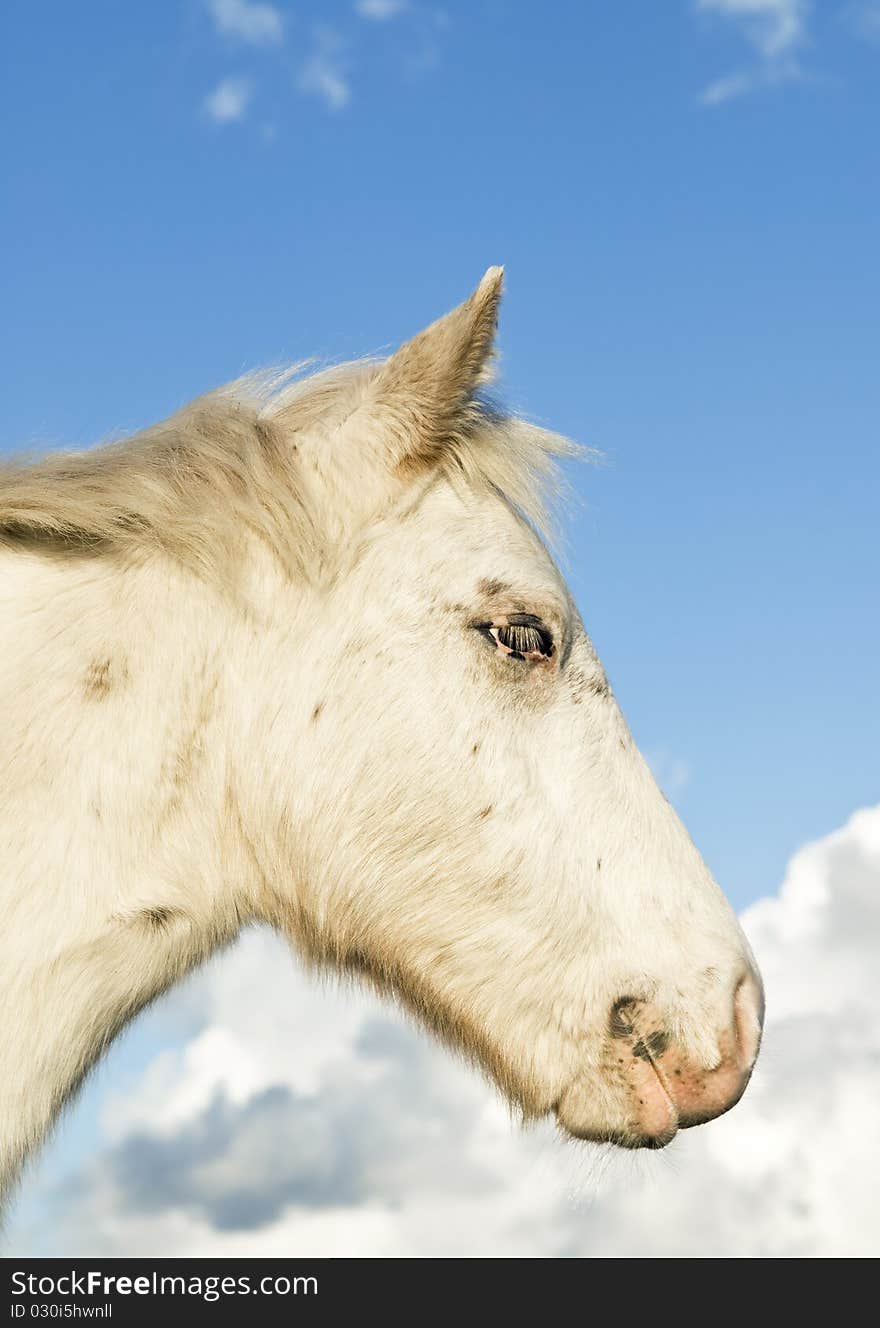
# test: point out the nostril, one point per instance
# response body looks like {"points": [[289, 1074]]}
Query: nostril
{"points": [[748, 1004], [622, 1020]]}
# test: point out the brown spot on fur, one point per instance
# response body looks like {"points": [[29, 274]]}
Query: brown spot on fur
{"points": [[487, 811], [475, 749], [492, 588], [316, 713], [598, 864], [99, 680], [159, 919], [183, 761]]}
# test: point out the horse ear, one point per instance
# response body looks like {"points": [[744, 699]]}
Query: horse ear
{"points": [[424, 392]]}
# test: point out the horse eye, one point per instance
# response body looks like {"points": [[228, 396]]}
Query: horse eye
{"points": [[522, 636]]}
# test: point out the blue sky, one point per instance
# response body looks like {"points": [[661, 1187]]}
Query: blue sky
{"points": [[686, 197]]}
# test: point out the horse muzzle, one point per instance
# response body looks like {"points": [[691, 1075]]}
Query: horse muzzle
{"points": [[651, 1087]]}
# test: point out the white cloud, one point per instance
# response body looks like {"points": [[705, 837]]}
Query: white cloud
{"points": [[313, 1121], [775, 29], [258, 24], [323, 67], [771, 75], [229, 101], [773, 26], [725, 89], [380, 10], [323, 76]]}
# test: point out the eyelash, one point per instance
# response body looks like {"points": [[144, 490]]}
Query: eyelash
{"points": [[522, 637]]}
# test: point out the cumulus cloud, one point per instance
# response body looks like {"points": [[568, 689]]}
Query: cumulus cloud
{"points": [[229, 101], [775, 29], [257, 24], [309, 1121]]}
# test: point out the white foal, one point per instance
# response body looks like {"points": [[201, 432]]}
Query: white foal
{"points": [[299, 655]]}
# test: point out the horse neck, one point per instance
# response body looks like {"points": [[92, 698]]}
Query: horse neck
{"points": [[121, 864]]}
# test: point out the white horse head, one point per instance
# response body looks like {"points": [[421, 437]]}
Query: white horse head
{"points": [[316, 666]]}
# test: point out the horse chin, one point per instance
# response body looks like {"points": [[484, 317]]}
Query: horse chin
{"points": [[637, 1112]]}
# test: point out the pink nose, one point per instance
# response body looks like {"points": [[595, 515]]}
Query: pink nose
{"points": [[668, 1090]]}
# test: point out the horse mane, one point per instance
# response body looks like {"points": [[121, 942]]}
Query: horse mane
{"points": [[232, 461]]}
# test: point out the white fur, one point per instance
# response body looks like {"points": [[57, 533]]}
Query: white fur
{"points": [[333, 748]]}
